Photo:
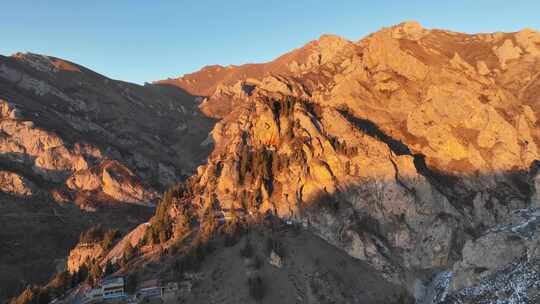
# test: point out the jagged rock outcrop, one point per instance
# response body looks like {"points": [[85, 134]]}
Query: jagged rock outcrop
{"points": [[83, 254], [400, 149], [15, 184]]}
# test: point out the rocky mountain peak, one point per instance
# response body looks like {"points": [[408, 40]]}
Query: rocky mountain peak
{"points": [[411, 30]]}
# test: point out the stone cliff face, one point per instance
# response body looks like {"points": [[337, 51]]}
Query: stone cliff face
{"points": [[402, 149]]}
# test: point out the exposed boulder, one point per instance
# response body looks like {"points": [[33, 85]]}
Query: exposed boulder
{"points": [[121, 184], [529, 40], [484, 256], [85, 180], [83, 254], [482, 68], [275, 260], [501, 266]]}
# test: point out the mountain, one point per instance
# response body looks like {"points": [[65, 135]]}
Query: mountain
{"points": [[401, 149], [78, 149], [401, 168]]}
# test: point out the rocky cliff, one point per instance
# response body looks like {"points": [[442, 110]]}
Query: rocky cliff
{"points": [[402, 149]]}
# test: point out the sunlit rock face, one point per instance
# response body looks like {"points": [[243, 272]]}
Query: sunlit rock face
{"points": [[402, 149], [15, 184]]}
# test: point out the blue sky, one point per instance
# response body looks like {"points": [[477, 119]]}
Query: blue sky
{"points": [[142, 41]]}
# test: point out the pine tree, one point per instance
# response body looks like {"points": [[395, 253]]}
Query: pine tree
{"points": [[183, 223], [109, 268], [82, 273], [108, 238], [129, 251], [95, 274]]}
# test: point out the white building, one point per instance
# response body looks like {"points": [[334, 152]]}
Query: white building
{"points": [[150, 289], [113, 288], [93, 295]]}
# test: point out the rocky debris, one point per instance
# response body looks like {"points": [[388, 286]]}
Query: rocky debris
{"points": [[15, 184], [275, 259], [434, 292], [501, 266], [482, 256], [517, 283]]}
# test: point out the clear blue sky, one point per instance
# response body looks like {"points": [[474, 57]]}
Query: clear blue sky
{"points": [[145, 40]]}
